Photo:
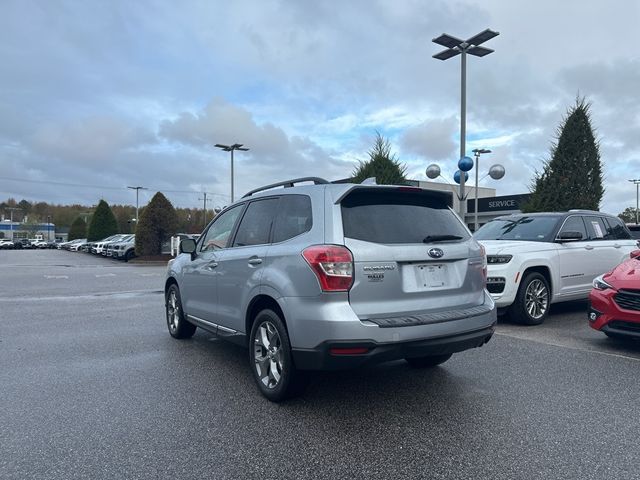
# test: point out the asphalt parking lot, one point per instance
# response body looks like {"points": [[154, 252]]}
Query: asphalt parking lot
{"points": [[92, 386]]}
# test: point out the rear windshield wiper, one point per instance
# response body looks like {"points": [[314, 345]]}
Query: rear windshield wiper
{"points": [[440, 238]]}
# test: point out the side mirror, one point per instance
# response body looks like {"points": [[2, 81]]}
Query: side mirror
{"points": [[635, 254], [188, 245], [569, 237]]}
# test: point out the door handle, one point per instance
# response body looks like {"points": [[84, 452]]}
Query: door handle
{"points": [[588, 247], [615, 245], [211, 265], [255, 261]]}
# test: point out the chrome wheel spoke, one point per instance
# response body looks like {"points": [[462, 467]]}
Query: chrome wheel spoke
{"points": [[264, 337], [274, 373], [536, 299]]}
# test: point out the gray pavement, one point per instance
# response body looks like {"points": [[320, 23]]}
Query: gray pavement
{"points": [[92, 386]]}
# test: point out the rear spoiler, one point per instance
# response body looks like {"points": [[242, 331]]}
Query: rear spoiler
{"points": [[446, 197]]}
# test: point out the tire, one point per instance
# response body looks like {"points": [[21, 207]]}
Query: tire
{"points": [[129, 255], [177, 324], [532, 302], [428, 361], [270, 358]]}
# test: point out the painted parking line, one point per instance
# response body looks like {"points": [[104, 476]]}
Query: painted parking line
{"points": [[55, 276], [568, 347], [149, 274], [100, 275]]}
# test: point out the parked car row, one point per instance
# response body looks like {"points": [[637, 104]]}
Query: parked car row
{"points": [[120, 246], [535, 260], [21, 243]]}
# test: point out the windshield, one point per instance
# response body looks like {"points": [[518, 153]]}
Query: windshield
{"points": [[534, 229]]}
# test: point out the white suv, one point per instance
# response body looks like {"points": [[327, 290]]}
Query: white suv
{"points": [[542, 258]]}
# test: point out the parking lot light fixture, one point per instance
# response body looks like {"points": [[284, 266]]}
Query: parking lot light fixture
{"points": [[636, 181], [456, 46], [231, 148]]}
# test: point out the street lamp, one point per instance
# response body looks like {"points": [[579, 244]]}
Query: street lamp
{"points": [[636, 181], [456, 46], [231, 148], [48, 228], [137, 189]]}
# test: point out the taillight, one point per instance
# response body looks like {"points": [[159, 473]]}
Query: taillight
{"points": [[332, 264], [483, 252]]}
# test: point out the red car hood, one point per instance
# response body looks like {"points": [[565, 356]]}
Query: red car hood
{"points": [[625, 276]]}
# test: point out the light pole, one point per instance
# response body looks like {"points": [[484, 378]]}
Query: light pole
{"points": [[231, 148], [48, 228], [456, 46], [204, 211], [636, 181], [137, 189], [477, 152]]}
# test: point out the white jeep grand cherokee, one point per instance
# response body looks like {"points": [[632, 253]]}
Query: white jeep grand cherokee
{"points": [[538, 259]]}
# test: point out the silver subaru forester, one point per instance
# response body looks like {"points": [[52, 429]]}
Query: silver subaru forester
{"points": [[326, 276]]}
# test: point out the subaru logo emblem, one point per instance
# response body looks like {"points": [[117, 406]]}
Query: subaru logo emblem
{"points": [[436, 253]]}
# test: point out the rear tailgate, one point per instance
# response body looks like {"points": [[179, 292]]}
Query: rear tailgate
{"points": [[398, 270]]}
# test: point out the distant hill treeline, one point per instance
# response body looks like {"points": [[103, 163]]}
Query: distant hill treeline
{"points": [[190, 220]]}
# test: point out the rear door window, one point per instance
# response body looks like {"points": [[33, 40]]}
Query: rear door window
{"points": [[294, 217], [255, 227], [390, 217], [597, 228]]}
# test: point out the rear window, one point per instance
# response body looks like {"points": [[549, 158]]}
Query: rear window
{"points": [[398, 217]]}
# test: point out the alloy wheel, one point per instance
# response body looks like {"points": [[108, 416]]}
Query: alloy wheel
{"points": [[267, 347], [173, 311], [536, 299]]}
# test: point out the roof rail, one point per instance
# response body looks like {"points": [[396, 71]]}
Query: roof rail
{"points": [[288, 184]]}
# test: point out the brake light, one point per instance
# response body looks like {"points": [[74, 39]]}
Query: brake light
{"points": [[332, 264]]}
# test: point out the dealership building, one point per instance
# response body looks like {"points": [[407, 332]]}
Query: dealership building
{"points": [[490, 206], [18, 230]]}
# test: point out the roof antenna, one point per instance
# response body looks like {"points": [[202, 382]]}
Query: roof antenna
{"points": [[369, 181]]}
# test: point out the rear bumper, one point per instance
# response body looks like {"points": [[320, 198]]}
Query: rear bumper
{"points": [[322, 357]]}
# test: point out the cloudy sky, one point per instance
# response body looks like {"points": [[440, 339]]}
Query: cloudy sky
{"points": [[96, 95]]}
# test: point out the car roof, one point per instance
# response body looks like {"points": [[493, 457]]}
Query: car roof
{"points": [[553, 214], [337, 190]]}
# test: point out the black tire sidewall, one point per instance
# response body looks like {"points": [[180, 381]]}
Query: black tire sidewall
{"points": [[285, 387], [519, 310]]}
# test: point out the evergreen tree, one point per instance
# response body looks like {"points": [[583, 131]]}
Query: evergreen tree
{"points": [[382, 165], [158, 222], [103, 223], [573, 176], [78, 229]]}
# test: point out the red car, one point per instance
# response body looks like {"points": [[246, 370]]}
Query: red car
{"points": [[614, 301]]}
